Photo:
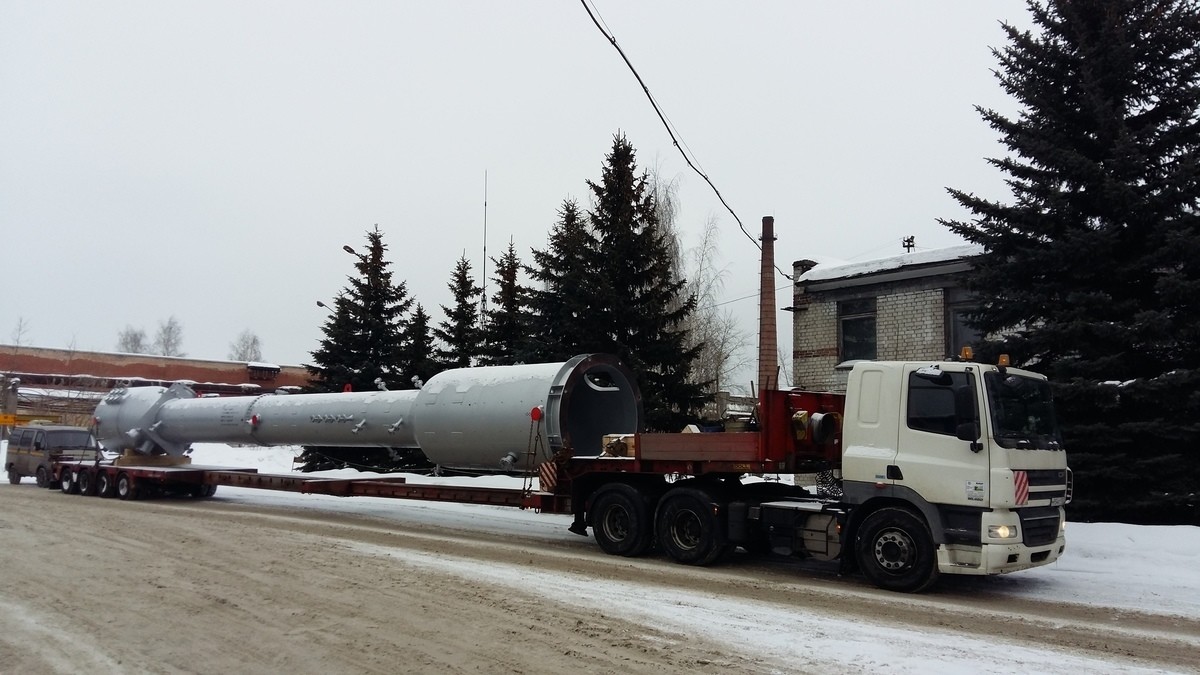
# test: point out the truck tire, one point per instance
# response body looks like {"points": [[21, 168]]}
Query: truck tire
{"points": [[895, 551], [104, 484], [67, 482], [87, 482], [43, 477], [13, 477], [690, 527], [621, 521], [125, 488]]}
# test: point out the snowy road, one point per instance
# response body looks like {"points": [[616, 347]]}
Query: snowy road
{"points": [[254, 581]]}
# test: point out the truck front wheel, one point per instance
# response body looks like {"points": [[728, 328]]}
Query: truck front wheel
{"points": [[896, 552], [43, 477], [690, 527], [621, 521]]}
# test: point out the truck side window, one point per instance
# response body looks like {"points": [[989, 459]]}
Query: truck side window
{"points": [[931, 405], [26, 440]]}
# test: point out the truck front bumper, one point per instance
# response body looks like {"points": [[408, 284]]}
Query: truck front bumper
{"points": [[996, 558]]}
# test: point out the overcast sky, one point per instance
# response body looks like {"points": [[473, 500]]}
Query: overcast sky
{"points": [[208, 160]]}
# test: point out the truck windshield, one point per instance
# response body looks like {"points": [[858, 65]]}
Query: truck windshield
{"points": [[71, 439], [1022, 412]]}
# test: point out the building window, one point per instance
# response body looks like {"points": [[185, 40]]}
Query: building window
{"points": [[262, 371], [856, 329], [958, 333]]}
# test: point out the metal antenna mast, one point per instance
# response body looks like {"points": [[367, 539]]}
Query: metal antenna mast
{"points": [[483, 273]]}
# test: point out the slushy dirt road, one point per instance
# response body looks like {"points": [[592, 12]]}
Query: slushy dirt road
{"points": [[221, 585]]}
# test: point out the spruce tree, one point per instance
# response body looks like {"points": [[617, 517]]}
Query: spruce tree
{"points": [[459, 333], [417, 355], [364, 334], [363, 344], [506, 325], [1092, 273], [634, 298], [558, 305]]}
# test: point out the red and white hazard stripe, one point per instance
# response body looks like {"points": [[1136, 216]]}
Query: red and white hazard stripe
{"points": [[1021, 483], [548, 476]]}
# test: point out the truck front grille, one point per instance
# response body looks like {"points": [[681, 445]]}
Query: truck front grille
{"points": [[1047, 484], [1039, 525]]}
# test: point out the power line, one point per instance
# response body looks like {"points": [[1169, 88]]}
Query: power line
{"points": [[670, 130], [744, 297]]}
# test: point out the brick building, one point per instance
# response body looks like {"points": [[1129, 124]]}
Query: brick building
{"points": [[908, 306], [64, 385]]}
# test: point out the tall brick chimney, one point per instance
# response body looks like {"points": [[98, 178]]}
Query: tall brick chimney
{"points": [[768, 341]]}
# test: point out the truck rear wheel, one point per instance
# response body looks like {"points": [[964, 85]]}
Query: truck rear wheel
{"points": [[13, 476], [104, 484], [125, 488], [691, 527], [43, 477], [67, 483], [621, 521], [896, 552]]}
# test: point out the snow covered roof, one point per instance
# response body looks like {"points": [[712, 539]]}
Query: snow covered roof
{"points": [[825, 272]]}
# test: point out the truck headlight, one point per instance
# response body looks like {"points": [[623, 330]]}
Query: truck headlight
{"points": [[1002, 532]]}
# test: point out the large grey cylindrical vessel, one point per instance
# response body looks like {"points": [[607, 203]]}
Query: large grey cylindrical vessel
{"points": [[480, 418], [159, 420], [468, 418]]}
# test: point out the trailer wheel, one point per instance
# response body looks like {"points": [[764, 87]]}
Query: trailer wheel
{"points": [[104, 484], [13, 477], [691, 527], [125, 488], [621, 521], [86, 481], [67, 482], [203, 491], [43, 477], [896, 552]]}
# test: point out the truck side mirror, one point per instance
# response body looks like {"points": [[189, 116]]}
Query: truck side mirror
{"points": [[969, 431]]}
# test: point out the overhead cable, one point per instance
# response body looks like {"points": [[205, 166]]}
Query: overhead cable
{"points": [[670, 131]]}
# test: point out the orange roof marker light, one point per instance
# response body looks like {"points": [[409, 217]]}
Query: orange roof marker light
{"points": [[967, 354]]}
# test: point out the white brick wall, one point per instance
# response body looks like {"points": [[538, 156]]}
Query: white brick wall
{"points": [[815, 345], [911, 326], [908, 325]]}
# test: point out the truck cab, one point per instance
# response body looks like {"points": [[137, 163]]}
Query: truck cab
{"points": [[953, 467], [32, 451]]}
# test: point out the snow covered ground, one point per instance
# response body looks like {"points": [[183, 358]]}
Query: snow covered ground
{"points": [[1136, 568], [1139, 569]]}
